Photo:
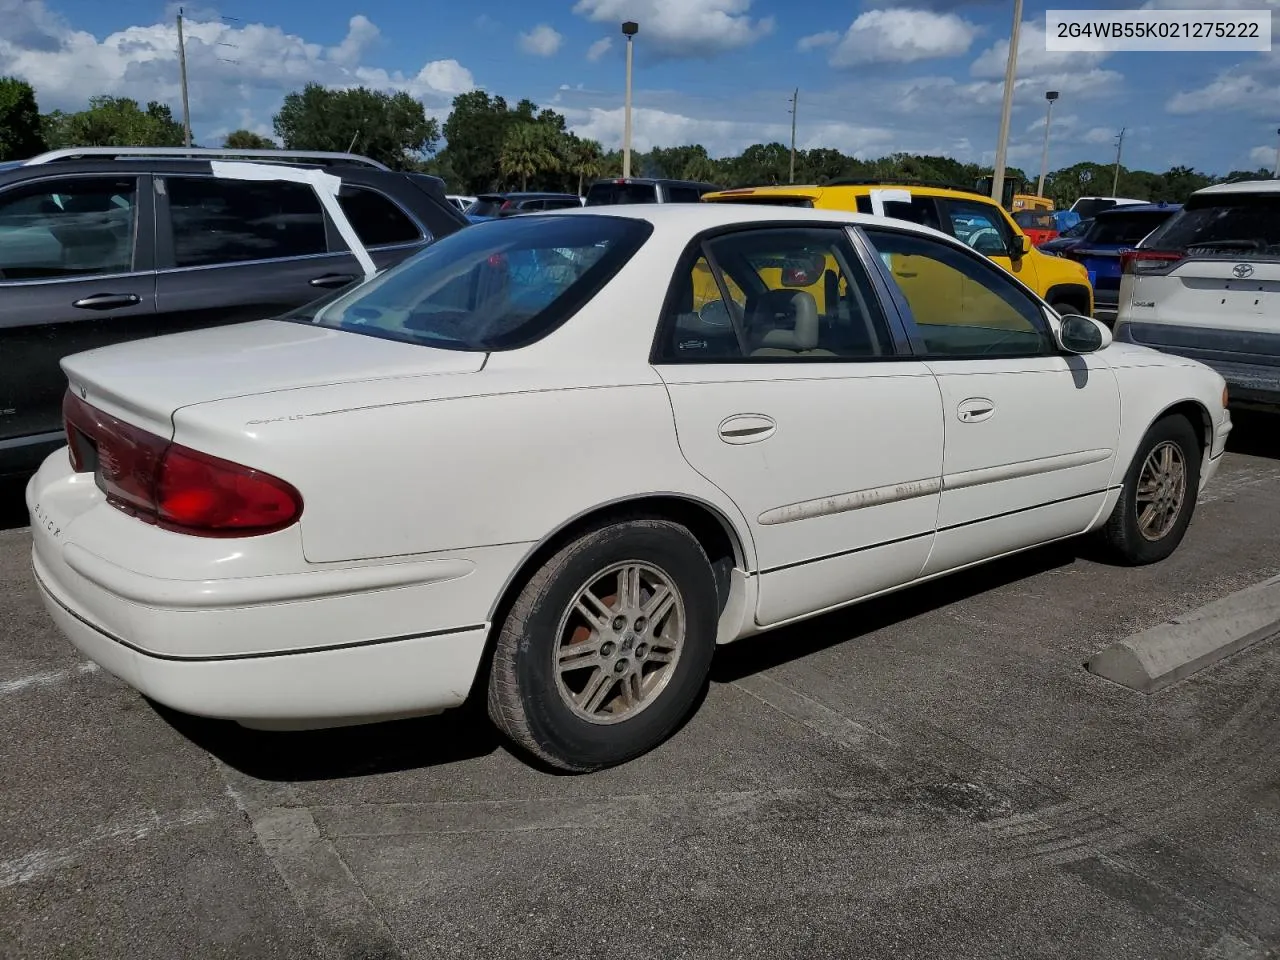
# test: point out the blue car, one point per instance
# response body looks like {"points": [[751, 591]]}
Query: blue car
{"points": [[1113, 232]]}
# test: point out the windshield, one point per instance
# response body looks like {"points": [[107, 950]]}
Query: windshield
{"points": [[497, 285], [1125, 228], [1236, 224], [1035, 220], [1079, 230], [614, 193]]}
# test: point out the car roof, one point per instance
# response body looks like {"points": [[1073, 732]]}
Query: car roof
{"points": [[1139, 208], [674, 181], [693, 218], [813, 191], [125, 166], [1241, 186]]}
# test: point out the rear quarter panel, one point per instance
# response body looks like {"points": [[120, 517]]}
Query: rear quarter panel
{"points": [[423, 465]]}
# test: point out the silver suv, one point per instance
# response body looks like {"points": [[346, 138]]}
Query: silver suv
{"points": [[1206, 285]]}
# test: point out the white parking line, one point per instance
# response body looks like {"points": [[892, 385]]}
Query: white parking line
{"points": [[47, 679]]}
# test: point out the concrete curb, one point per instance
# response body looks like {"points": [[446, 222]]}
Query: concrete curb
{"points": [[1155, 658]]}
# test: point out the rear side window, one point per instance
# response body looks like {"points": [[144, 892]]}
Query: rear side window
{"points": [[1124, 228], [229, 221], [602, 194], [683, 195], [921, 210], [377, 220], [497, 285], [77, 227], [560, 203], [1239, 224]]}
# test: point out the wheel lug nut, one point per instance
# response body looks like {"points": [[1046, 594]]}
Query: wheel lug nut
{"points": [[619, 623], [640, 624], [606, 649], [620, 666], [642, 650]]}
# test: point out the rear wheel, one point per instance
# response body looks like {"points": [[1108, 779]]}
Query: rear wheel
{"points": [[607, 647], [1159, 494]]}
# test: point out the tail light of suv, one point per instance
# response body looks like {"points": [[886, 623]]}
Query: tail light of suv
{"points": [[172, 486], [1139, 262]]}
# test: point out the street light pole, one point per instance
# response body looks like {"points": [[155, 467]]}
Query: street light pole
{"points": [[795, 104], [1006, 109], [1276, 175], [1051, 96], [182, 67], [629, 30]]}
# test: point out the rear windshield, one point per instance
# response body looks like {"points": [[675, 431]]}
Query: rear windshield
{"points": [[496, 285], [486, 207], [613, 193], [1125, 228], [1235, 224], [1035, 220], [764, 198], [1092, 207]]}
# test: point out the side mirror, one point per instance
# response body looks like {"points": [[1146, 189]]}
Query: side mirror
{"points": [[1077, 334], [1024, 246]]}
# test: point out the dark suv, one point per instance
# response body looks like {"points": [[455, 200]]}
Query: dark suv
{"points": [[490, 206], [100, 245], [647, 190]]}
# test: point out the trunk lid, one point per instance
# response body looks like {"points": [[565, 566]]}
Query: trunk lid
{"points": [[145, 381]]}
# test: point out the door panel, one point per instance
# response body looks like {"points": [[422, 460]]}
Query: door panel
{"points": [[841, 503], [74, 275]]}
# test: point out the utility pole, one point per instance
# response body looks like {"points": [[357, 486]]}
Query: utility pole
{"points": [[1115, 180], [182, 65], [795, 104], [1276, 175], [1006, 109]]}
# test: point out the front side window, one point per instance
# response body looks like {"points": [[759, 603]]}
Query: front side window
{"points": [[498, 285], [219, 220], [963, 307], [1231, 224], [978, 225], [76, 227], [792, 294], [377, 221]]}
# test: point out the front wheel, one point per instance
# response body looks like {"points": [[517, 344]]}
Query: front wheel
{"points": [[607, 647], [1158, 496]]}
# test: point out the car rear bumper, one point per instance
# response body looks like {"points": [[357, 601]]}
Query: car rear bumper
{"points": [[292, 650], [1249, 362]]}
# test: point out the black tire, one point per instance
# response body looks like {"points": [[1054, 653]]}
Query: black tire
{"points": [[1062, 308], [1122, 532], [525, 699]]}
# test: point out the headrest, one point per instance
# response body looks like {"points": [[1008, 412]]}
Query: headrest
{"points": [[802, 311]]}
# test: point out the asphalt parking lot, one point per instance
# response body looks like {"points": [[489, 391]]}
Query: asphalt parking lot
{"points": [[929, 775]]}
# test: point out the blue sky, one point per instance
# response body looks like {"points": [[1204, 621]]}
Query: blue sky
{"points": [[875, 76]]}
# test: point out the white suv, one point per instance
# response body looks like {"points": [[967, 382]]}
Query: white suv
{"points": [[1206, 284]]}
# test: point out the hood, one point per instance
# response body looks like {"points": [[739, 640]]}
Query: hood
{"points": [[145, 381]]}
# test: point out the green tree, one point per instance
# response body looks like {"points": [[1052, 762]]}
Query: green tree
{"points": [[586, 160], [476, 131], [247, 140], [20, 132], [528, 151], [114, 122], [390, 128]]}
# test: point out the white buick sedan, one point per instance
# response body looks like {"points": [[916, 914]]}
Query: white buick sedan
{"points": [[555, 460]]}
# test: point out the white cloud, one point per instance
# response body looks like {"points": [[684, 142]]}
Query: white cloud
{"points": [[683, 28], [1230, 91], [1211, 5], [599, 48], [827, 38], [1033, 58], [1100, 135], [542, 41], [68, 66], [1263, 156], [903, 36]]}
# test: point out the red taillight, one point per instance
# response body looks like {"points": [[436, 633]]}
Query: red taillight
{"points": [[1147, 261], [200, 494], [165, 483]]}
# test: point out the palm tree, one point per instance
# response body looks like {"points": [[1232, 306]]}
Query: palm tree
{"points": [[527, 152], [586, 159]]}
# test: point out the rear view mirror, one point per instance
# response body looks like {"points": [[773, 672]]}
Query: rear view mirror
{"points": [[1078, 334]]}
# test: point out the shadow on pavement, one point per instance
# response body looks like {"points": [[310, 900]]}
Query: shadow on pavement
{"points": [[1255, 434], [463, 734], [757, 654]]}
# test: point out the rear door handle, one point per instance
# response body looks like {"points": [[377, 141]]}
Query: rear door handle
{"points": [[975, 410], [333, 280], [747, 428], [107, 301]]}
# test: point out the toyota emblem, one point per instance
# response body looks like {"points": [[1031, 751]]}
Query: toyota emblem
{"points": [[1242, 270]]}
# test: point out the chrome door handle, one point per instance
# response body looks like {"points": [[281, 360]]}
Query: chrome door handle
{"points": [[747, 428], [975, 410], [332, 280], [107, 301]]}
